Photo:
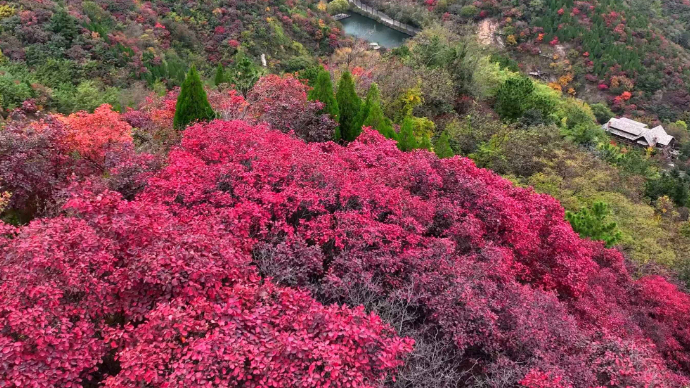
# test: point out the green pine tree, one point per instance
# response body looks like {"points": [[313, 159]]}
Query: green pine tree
{"points": [[373, 98], [375, 119], [323, 91], [220, 75], [442, 147], [591, 223], [349, 105], [244, 73], [406, 138], [371, 114], [192, 103], [513, 97], [425, 143]]}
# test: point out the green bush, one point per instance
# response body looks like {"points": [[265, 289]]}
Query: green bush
{"points": [[601, 112], [576, 112], [585, 134], [58, 72], [671, 184], [13, 92], [86, 96], [591, 223], [469, 11], [442, 146], [298, 63], [310, 74], [338, 6], [505, 62]]}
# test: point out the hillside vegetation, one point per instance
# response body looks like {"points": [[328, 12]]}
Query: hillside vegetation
{"points": [[166, 287], [76, 55], [632, 55], [426, 216]]}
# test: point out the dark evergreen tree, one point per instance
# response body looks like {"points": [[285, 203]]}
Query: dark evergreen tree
{"points": [[349, 105], [371, 114], [192, 103], [220, 75], [406, 138], [373, 98], [514, 97], [323, 92], [442, 147]]}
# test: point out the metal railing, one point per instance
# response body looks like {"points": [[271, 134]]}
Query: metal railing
{"points": [[383, 18]]}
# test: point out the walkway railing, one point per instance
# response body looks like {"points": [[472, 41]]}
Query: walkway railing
{"points": [[383, 18]]}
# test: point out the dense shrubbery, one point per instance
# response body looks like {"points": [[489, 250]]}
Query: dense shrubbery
{"points": [[40, 154], [449, 254]]}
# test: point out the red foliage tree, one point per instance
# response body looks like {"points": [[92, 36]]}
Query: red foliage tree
{"points": [[93, 134], [282, 103], [34, 164]]}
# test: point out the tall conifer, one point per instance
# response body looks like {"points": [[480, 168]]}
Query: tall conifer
{"points": [[192, 103], [220, 75], [442, 147], [349, 105], [323, 91], [371, 114], [406, 139], [373, 98], [244, 73]]}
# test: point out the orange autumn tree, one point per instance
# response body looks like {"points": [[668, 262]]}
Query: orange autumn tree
{"points": [[92, 134]]}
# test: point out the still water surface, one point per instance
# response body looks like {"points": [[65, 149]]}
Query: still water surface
{"points": [[373, 31]]}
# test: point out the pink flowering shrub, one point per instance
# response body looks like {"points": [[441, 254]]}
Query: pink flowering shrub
{"points": [[281, 102]]}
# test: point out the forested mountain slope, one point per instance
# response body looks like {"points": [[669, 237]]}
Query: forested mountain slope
{"points": [[75, 55], [634, 53]]}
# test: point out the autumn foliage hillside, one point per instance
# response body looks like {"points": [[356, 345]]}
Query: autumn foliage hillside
{"points": [[632, 54], [247, 259], [76, 55]]}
